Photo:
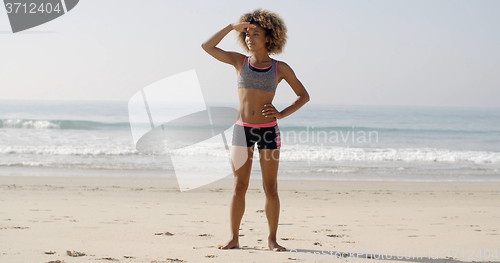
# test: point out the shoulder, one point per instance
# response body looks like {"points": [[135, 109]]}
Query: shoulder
{"points": [[238, 57], [283, 68]]}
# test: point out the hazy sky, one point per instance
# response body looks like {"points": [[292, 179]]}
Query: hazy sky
{"points": [[425, 53]]}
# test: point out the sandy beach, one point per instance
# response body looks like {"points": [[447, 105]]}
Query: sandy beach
{"points": [[149, 220]]}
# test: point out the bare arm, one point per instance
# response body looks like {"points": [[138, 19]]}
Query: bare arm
{"points": [[298, 88], [210, 45]]}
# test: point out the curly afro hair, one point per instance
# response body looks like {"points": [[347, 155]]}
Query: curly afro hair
{"points": [[272, 23]]}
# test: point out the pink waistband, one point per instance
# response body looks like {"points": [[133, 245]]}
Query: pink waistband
{"points": [[259, 125]]}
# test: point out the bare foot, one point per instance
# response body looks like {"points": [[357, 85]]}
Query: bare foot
{"points": [[273, 245], [233, 243]]}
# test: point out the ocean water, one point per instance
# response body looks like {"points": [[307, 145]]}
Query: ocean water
{"points": [[323, 142]]}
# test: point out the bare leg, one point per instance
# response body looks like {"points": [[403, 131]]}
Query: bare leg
{"points": [[241, 180], [269, 161]]}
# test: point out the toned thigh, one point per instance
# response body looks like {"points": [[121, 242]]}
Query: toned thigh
{"points": [[269, 162], [241, 159]]}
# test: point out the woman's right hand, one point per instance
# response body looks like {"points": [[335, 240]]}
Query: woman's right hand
{"points": [[242, 27]]}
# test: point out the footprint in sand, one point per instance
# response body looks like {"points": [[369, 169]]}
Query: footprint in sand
{"points": [[111, 259], [15, 227], [164, 233], [75, 253], [341, 235], [326, 230], [174, 260]]}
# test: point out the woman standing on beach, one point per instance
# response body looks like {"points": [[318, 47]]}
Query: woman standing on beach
{"points": [[260, 33]]}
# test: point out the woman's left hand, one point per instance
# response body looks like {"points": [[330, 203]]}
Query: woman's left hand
{"points": [[270, 111]]}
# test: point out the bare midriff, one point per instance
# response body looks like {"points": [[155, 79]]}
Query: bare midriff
{"points": [[252, 103]]}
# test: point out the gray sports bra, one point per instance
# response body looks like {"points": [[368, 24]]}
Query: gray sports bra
{"points": [[258, 78]]}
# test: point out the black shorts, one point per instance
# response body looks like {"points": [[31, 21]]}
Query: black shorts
{"points": [[266, 135]]}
